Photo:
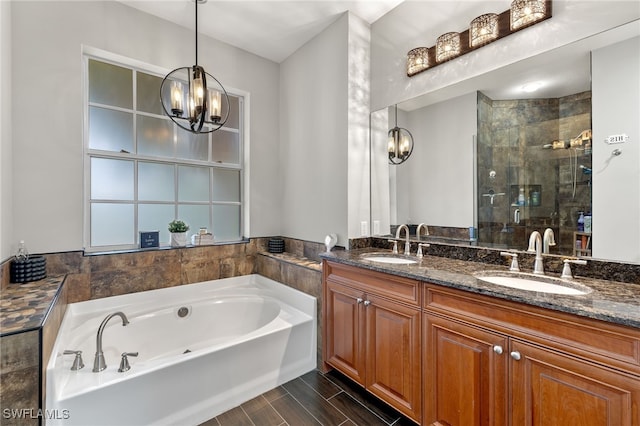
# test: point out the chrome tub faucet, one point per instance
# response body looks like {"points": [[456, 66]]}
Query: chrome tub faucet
{"points": [[98, 362]]}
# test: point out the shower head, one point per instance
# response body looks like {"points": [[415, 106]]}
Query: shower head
{"points": [[586, 170]]}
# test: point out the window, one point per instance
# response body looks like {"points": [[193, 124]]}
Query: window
{"points": [[142, 171]]}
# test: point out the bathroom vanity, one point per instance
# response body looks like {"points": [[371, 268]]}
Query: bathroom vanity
{"points": [[446, 348]]}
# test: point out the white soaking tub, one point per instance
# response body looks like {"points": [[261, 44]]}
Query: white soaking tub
{"points": [[202, 349]]}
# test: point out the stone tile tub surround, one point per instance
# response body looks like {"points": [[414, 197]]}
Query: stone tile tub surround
{"points": [[96, 276]]}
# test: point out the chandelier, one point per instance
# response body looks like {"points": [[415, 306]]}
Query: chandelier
{"points": [[192, 98], [400, 144]]}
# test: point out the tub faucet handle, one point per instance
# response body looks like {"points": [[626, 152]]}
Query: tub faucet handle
{"points": [[124, 362], [77, 362]]}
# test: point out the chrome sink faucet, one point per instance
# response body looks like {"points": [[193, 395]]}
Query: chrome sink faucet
{"points": [[98, 361], [420, 227], [548, 239], [535, 245], [407, 245]]}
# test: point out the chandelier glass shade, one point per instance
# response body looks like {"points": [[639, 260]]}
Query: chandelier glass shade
{"points": [[400, 144], [194, 99]]}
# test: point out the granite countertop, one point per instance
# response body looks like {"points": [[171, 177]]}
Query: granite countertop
{"points": [[23, 307], [610, 301]]}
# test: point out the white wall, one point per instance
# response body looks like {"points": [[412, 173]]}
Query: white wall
{"points": [[616, 179], [402, 29], [6, 203], [47, 73], [358, 126], [313, 156], [435, 185]]}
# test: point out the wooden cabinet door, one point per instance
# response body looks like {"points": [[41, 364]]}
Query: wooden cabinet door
{"points": [[465, 374], [553, 389], [393, 354], [345, 330]]}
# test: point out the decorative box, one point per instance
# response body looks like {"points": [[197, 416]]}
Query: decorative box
{"points": [[33, 268]]}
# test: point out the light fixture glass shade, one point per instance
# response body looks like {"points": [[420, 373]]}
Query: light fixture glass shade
{"points": [[483, 30], [203, 99], [447, 46], [417, 60], [527, 12]]}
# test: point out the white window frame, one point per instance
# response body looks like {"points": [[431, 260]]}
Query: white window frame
{"points": [[244, 98]]}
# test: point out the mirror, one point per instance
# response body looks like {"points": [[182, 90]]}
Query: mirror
{"points": [[462, 160]]}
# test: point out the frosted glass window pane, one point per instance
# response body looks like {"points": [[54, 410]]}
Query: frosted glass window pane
{"points": [[193, 183], [226, 147], [110, 84], [156, 217], [192, 146], [226, 222], [111, 179], [111, 224], [110, 130], [156, 182], [234, 112], [195, 216], [226, 185], [148, 93], [154, 136]]}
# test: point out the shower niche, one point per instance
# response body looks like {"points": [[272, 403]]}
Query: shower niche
{"points": [[533, 169]]}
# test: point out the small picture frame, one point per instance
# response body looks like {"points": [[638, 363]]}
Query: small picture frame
{"points": [[149, 239]]}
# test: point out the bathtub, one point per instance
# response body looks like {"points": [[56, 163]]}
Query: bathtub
{"points": [[202, 349]]}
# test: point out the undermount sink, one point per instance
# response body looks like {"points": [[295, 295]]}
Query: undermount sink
{"points": [[389, 258], [531, 282]]}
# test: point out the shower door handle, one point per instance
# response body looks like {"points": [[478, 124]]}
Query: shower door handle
{"points": [[516, 216]]}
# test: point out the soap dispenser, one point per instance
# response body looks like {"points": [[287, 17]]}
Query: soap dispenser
{"points": [[521, 197], [581, 222]]}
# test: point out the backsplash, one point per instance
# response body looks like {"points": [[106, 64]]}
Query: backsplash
{"points": [[600, 269]]}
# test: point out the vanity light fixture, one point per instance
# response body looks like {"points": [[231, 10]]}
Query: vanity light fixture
{"points": [[484, 29], [400, 143], [204, 95], [417, 60], [447, 46], [527, 12]]}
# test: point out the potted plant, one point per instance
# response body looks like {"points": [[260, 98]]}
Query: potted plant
{"points": [[178, 231]]}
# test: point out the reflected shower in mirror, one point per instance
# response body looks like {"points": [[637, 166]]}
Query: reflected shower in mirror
{"points": [[533, 172]]}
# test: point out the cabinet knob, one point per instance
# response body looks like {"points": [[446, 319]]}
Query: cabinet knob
{"points": [[359, 300], [498, 349], [516, 355], [367, 302]]}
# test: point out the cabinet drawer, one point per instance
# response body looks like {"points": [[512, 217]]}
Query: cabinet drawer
{"points": [[397, 288], [609, 344]]}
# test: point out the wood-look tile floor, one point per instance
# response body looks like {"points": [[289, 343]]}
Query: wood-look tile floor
{"points": [[312, 399]]}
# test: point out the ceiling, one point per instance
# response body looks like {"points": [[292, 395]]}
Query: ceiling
{"points": [[272, 29]]}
